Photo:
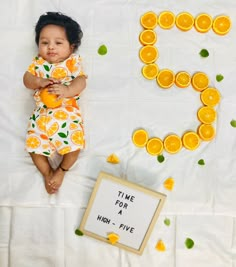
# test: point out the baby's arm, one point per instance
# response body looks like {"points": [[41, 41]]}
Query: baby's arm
{"points": [[33, 82], [75, 88]]}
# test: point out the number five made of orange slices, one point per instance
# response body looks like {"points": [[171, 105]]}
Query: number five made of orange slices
{"points": [[165, 78]]}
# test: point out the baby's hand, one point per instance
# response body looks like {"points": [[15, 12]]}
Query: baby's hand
{"points": [[58, 89], [47, 82]]}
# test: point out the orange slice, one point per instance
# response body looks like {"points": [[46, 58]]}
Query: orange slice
{"points": [[64, 150], [42, 122], [49, 100], [60, 114], [182, 79], [53, 129], [206, 132], [191, 140], [149, 20], [165, 78], [147, 37], [221, 25], [206, 114], [150, 71], [160, 246], [148, 54], [203, 23], [59, 73], [169, 184], [140, 138], [172, 143], [210, 97], [154, 146], [77, 137], [33, 142], [184, 21], [200, 81], [113, 158], [166, 20]]}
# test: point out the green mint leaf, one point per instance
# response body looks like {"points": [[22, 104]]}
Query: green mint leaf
{"points": [[233, 123], [189, 243], [204, 53], [167, 222], [63, 125], [160, 158], [219, 77], [79, 232], [201, 162], [102, 50]]}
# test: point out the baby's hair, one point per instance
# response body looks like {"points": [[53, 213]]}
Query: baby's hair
{"points": [[72, 28]]}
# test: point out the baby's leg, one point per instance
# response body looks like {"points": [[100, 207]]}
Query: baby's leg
{"points": [[68, 160], [41, 162]]}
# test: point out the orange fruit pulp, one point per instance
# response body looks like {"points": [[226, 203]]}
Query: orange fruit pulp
{"points": [[203, 23], [166, 20], [206, 132], [165, 78], [221, 25], [50, 100], [200, 81], [154, 146], [150, 71], [172, 144], [210, 97], [182, 79], [206, 114], [147, 37], [140, 137], [184, 21], [148, 54], [149, 20], [191, 140]]}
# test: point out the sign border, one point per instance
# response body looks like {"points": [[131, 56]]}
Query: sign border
{"points": [[104, 175]]}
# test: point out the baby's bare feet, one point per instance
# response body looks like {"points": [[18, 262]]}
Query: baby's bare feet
{"points": [[57, 179], [47, 179]]}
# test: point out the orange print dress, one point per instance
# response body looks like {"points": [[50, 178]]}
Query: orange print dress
{"points": [[56, 129]]}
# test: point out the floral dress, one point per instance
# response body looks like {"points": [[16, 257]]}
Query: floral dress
{"points": [[56, 129]]}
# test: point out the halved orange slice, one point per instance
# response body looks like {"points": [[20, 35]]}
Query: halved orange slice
{"points": [[221, 25], [149, 20], [206, 132], [148, 54], [154, 146], [166, 20], [203, 22], [165, 78], [210, 97], [184, 21], [172, 143], [147, 37], [200, 81], [140, 137], [182, 79], [150, 71], [191, 140], [206, 114]]}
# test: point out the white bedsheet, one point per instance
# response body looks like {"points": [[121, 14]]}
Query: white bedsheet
{"points": [[37, 230]]}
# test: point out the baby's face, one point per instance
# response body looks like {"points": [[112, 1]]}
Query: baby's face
{"points": [[53, 44]]}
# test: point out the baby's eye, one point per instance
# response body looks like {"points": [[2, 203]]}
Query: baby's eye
{"points": [[44, 43], [58, 43]]}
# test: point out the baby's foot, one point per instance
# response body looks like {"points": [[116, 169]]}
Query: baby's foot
{"points": [[57, 179], [47, 179]]}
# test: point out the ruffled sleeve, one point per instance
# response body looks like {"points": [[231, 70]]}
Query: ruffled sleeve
{"points": [[75, 66], [34, 66]]}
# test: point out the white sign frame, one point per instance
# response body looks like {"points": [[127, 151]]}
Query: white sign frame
{"points": [[135, 207]]}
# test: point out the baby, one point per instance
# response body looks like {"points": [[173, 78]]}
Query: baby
{"points": [[58, 69]]}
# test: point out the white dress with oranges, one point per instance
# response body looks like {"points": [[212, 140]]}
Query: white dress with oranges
{"points": [[56, 129]]}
